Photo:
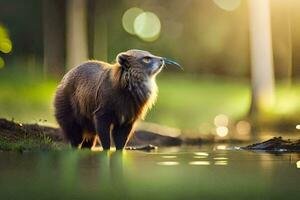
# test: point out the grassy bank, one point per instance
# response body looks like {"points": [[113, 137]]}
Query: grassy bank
{"points": [[186, 101]]}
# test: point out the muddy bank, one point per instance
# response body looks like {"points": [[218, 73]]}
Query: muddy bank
{"points": [[16, 136], [275, 144]]}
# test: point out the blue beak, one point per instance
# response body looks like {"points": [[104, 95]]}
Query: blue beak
{"points": [[171, 62]]}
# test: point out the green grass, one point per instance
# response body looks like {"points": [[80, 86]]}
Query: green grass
{"points": [[189, 101], [30, 143], [26, 97], [186, 101]]}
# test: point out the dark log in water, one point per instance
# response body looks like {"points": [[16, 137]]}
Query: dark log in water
{"points": [[275, 144]]}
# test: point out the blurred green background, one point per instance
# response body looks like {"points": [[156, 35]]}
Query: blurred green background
{"points": [[41, 40]]}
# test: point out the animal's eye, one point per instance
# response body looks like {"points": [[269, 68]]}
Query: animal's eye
{"points": [[147, 59]]}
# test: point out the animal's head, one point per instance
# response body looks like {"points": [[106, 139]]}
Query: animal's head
{"points": [[143, 61]]}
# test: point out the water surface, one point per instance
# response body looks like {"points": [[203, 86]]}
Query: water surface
{"points": [[207, 172]]}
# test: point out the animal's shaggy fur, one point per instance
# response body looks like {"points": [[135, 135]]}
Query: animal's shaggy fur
{"points": [[100, 98]]}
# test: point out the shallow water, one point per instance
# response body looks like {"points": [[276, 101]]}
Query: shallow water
{"points": [[208, 172]]}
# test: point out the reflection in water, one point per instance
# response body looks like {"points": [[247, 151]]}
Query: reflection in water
{"points": [[223, 162], [169, 157], [200, 157], [201, 153], [221, 147], [298, 164], [168, 163], [220, 158], [93, 172], [199, 163]]}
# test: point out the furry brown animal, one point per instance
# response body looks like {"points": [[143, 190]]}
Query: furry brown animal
{"points": [[100, 98]]}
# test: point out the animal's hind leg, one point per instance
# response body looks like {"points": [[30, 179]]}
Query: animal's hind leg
{"points": [[73, 131], [66, 119], [121, 135], [87, 140]]}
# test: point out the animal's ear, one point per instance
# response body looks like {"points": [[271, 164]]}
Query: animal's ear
{"points": [[122, 59]]}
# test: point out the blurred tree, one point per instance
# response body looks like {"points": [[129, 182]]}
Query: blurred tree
{"points": [[99, 35], [54, 37], [77, 50], [282, 39], [261, 56]]}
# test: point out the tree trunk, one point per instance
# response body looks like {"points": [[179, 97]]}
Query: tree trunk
{"points": [[77, 50], [100, 30], [54, 37], [262, 73]]}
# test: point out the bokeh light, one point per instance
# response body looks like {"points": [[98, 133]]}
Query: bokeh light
{"points": [[243, 127], [298, 126], [298, 164], [221, 120], [228, 5], [222, 131], [5, 45], [5, 42], [147, 26], [129, 17]]}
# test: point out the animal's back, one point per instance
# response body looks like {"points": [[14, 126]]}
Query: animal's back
{"points": [[75, 96]]}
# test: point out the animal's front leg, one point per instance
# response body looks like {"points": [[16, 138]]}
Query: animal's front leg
{"points": [[120, 134], [103, 123]]}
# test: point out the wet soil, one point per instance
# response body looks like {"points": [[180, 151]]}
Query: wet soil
{"points": [[16, 136]]}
